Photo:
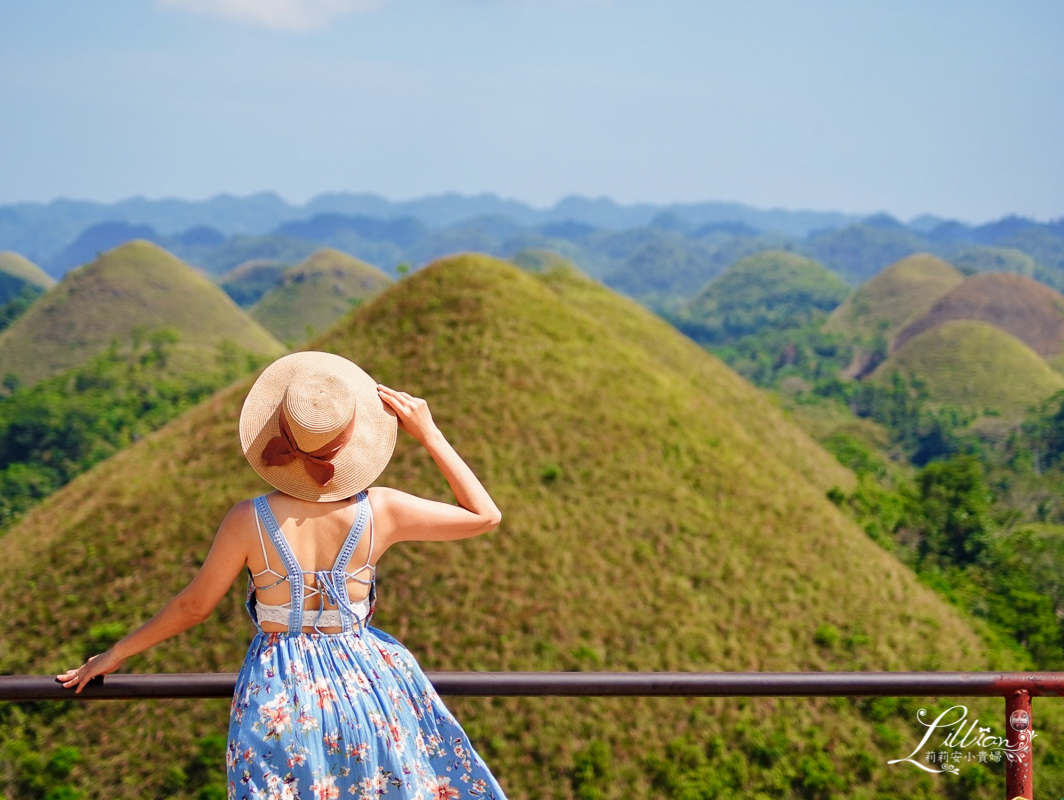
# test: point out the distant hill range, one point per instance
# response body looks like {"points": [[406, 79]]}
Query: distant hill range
{"points": [[135, 290], [662, 255]]}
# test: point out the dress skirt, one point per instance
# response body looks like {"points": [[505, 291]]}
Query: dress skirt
{"points": [[345, 715]]}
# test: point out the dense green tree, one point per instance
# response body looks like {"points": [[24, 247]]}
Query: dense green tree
{"points": [[54, 430], [952, 510], [16, 307]]}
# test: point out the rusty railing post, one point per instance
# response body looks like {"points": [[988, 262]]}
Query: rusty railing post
{"points": [[1019, 731]]}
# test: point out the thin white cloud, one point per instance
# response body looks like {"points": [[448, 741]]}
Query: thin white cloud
{"points": [[279, 15]]}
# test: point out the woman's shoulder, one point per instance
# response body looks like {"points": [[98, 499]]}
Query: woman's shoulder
{"points": [[243, 519], [384, 497], [240, 515]]}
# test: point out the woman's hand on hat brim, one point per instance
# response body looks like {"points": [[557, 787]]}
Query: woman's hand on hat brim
{"points": [[412, 413]]}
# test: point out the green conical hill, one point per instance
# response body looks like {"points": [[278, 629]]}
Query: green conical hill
{"points": [[315, 293], [884, 303], [25, 270], [659, 514], [975, 366], [135, 287], [774, 289], [17, 272], [540, 260], [256, 269], [1029, 310], [986, 258], [248, 281]]}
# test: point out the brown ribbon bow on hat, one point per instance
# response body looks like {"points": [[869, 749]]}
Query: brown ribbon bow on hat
{"points": [[282, 450]]}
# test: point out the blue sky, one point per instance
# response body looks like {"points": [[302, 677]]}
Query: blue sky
{"points": [[953, 108]]}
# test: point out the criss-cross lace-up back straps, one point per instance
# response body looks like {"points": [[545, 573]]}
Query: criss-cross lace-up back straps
{"points": [[331, 584]]}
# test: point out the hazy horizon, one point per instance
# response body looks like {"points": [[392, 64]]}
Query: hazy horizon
{"points": [[510, 199]]}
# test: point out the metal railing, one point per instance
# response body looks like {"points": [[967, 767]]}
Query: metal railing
{"points": [[1017, 688]]}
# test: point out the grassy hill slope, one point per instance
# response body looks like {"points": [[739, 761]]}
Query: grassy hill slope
{"points": [[17, 272], [1019, 305], [659, 514], [774, 289], [137, 286], [315, 293], [885, 302], [976, 366]]}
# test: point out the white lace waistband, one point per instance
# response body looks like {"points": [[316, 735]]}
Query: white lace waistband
{"points": [[330, 617]]}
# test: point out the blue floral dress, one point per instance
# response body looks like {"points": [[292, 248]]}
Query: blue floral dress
{"points": [[348, 714]]}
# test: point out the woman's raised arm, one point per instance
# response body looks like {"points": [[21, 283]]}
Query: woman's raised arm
{"points": [[189, 607], [399, 516]]}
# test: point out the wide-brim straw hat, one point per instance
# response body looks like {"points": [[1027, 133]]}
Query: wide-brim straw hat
{"points": [[334, 418]]}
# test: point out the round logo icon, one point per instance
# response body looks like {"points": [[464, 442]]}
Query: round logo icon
{"points": [[1020, 720]]}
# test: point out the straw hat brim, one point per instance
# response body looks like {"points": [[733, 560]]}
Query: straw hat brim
{"points": [[359, 462]]}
